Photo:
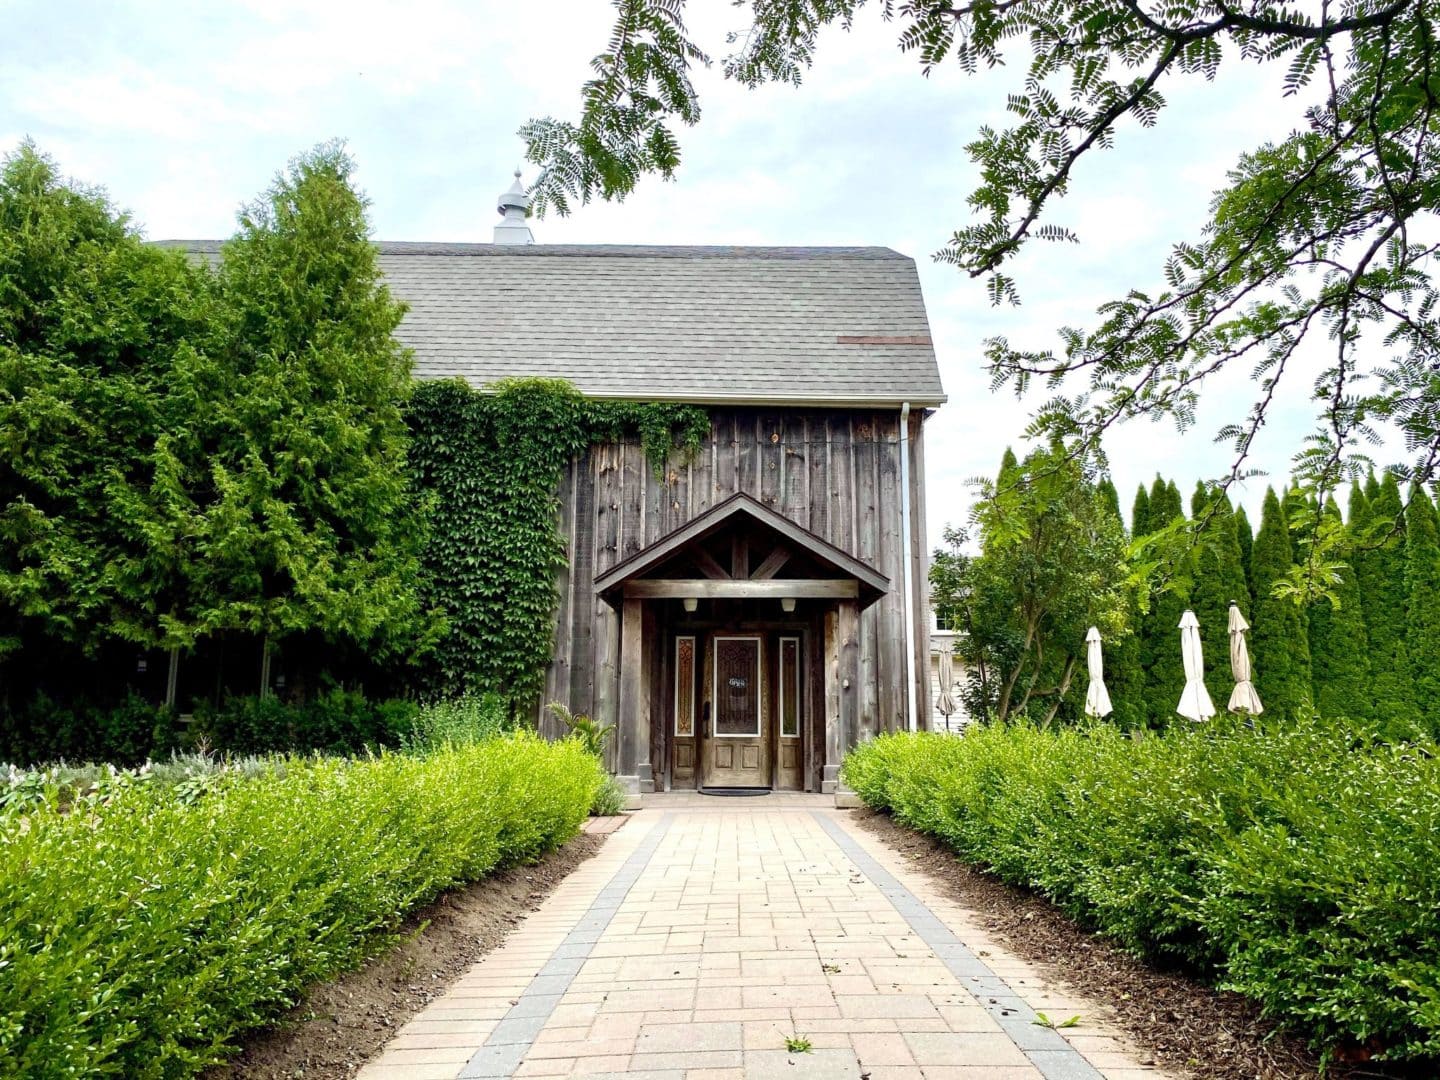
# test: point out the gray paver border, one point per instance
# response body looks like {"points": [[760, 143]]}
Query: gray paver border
{"points": [[505, 1048], [1055, 1058]]}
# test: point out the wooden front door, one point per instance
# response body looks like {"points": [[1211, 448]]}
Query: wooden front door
{"points": [[738, 743]]}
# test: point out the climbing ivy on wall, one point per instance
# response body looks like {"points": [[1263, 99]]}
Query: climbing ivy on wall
{"points": [[489, 465]]}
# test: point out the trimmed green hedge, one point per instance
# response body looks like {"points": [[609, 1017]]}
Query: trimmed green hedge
{"points": [[144, 927], [1299, 866]]}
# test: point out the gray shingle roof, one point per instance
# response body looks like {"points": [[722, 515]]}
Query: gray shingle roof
{"points": [[702, 324]]}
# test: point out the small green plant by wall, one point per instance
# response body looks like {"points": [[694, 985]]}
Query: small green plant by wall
{"points": [[489, 465]]}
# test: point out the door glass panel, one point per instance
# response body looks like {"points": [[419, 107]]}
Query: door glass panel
{"points": [[790, 688], [737, 687]]}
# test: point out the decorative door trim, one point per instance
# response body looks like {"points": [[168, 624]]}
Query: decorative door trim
{"points": [[685, 686]]}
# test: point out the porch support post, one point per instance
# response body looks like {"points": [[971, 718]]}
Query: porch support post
{"points": [[842, 677], [634, 709]]}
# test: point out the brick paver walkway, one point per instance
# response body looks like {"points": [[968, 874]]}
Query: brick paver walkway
{"points": [[703, 934]]}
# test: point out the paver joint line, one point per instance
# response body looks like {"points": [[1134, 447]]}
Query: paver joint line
{"points": [[506, 1046], [1055, 1058]]}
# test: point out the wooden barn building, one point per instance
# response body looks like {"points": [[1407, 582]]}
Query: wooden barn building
{"points": [[762, 607]]}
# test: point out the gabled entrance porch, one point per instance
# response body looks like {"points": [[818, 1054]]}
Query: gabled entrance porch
{"points": [[738, 653]]}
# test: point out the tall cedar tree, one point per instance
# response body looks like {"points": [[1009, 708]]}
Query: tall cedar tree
{"points": [[1339, 646], [1279, 649], [1245, 537], [280, 485], [1380, 570], [1160, 631], [1124, 678], [1422, 584], [91, 319], [1140, 513], [1219, 579]]}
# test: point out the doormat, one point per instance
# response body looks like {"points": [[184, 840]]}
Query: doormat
{"points": [[734, 791]]}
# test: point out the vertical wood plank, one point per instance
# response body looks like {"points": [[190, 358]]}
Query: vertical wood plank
{"points": [[920, 562], [794, 500], [866, 493], [607, 676], [583, 611], [634, 480], [557, 678], [607, 508], [634, 705], [657, 712], [726, 455], [848, 630], [770, 436], [747, 453], [833, 747], [842, 483], [819, 485], [891, 677]]}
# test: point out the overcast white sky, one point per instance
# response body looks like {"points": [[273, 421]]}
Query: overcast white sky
{"points": [[183, 111]]}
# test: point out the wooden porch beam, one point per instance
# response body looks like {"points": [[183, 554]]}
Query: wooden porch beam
{"points": [[772, 564], [708, 566], [704, 589], [739, 554]]}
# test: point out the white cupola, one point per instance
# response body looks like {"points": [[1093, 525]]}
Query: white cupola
{"points": [[513, 228]]}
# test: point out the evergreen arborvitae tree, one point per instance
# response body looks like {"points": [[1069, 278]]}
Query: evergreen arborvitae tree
{"points": [[1281, 653], [1124, 677], [1105, 489], [1380, 570], [1357, 512], [1339, 646], [1199, 500], [1219, 579], [1245, 537], [1372, 488], [1422, 586], [1160, 637], [1140, 513]]}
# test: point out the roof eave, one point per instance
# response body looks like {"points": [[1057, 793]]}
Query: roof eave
{"points": [[829, 401]]}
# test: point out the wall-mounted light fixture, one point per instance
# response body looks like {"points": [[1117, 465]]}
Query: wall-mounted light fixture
{"points": [[787, 604], [691, 603], [142, 665]]}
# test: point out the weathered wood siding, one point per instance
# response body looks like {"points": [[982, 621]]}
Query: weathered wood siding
{"points": [[835, 472]]}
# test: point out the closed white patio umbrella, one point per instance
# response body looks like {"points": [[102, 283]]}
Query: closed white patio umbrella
{"points": [[1243, 699], [1097, 698], [1195, 703], [945, 703]]}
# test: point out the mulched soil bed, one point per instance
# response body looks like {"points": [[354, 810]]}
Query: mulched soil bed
{"points": [[1186, 1028], [342, 1024]]}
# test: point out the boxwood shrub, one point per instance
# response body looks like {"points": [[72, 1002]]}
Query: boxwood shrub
{"points": [[144, 926], [1298, 865]]}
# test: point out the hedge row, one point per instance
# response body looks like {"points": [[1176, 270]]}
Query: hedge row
{"points": [[1300, 867], [144, 927], [333, 722]]}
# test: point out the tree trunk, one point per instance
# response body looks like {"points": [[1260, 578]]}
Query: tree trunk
{"points": [[265, 667], [1061, 690], [172, 678]]}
